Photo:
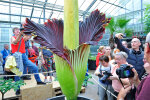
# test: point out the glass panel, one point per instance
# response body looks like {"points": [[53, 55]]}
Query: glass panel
{"points": [[4, 34], [55, 14], [1, 3], [110, 10], [4, 25], [105, 8], [86, 5], [4, 8], [15, 18], [28, 2], [52, 1], [97, 3], [15, 9], [81, 2], [26, 10], [146, 2], [137, 5], [101, 5], [4, 17], [47, 14], [61, 16], [37, 12], [60, 2], [23, 19], [14, 25], [35, 20]]}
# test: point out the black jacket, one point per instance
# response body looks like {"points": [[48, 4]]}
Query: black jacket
{"points": [[135, 58]]}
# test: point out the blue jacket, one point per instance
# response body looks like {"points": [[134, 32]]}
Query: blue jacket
{"points": [[5, 54], [134, 58]]}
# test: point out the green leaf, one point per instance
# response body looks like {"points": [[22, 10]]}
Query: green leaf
{"points": [[112, 25], [71, 73], [90, 82], [147, 18], [122, 22], [128, 32], [7, 85]]}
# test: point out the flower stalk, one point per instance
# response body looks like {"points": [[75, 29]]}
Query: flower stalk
{"points": [[71, 24]]}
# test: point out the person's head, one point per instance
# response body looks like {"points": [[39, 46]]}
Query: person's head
{"points": [[101, 49], [135, 43], [6, 46], [16, 31], [125, 44], [147, 48], [108, 50], [104, 60], [120, 58]]}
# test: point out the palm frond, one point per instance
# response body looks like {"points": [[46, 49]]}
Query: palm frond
{"points": [[122, 22]]}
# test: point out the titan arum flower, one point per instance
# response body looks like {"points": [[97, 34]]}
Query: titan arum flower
{"points": [[70, 44]]}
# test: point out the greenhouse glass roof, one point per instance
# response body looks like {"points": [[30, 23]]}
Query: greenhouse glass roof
{"points": [[15, 11]]}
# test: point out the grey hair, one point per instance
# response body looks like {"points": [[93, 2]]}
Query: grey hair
{"points": [[148, 38], [6, 45], [122, 54], [125, 41]]}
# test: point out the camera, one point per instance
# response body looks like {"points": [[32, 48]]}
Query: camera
{"points": [[125, 71], [21, 29], [104, 77], [123, 36]]}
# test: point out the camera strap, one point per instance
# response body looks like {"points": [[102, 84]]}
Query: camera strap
{"points": [[121, 82], [100, 69], [19, 44]]}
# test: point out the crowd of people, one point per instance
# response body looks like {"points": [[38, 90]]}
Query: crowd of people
{"points": [[108, 64], [124, 71], [31, 58]]}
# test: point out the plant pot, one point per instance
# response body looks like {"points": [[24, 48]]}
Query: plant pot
{"points": [[91, 64], [63, 98]]}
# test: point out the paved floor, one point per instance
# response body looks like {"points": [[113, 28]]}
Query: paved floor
{"points": [[91, 89], [90, 92]]}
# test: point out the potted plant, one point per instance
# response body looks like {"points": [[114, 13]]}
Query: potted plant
{"points": [[92, 62], [70, 41], [6, 85]]}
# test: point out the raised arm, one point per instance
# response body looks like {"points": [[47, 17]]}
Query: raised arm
{"points": [[15, 41], [119, 44]]}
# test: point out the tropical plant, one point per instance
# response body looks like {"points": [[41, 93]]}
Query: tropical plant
{"points": [[128, 32], [6, 85], [116, 26], [147, 18], [70, 44]]}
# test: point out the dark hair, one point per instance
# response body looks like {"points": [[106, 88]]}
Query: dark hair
{"points": [[104, 58]]}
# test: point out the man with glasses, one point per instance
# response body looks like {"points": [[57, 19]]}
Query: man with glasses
{"points": [[143, 87], [135, 54]]}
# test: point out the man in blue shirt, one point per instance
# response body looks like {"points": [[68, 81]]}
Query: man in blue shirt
{"points": [[5, 53]]}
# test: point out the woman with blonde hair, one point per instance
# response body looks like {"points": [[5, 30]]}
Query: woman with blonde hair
{"points": [[101, 51], [108, 53]]}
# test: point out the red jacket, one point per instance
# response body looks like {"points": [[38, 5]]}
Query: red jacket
{"points": [[97, 58]]}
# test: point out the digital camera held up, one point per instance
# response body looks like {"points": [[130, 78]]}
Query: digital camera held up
{"points": [[21, 29], [125, 71], [106, 75]]}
